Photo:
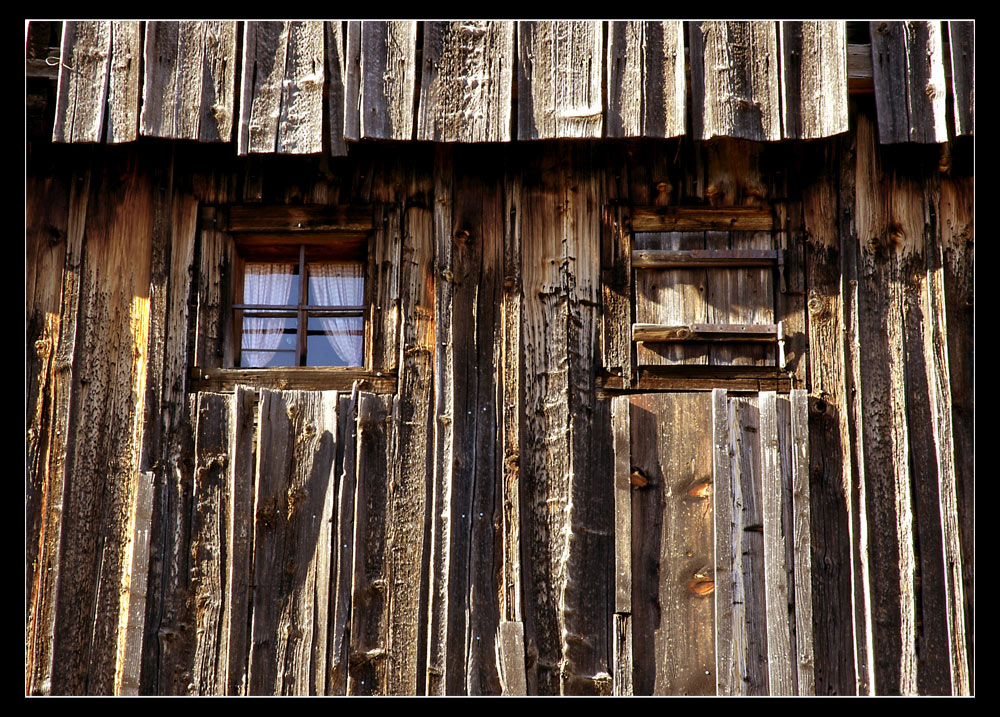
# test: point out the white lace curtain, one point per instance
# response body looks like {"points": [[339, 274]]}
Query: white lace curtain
{"points": [[340, 284], [264, 284]]}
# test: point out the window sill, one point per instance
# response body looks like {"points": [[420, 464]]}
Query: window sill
{"points": [[301, 378]]}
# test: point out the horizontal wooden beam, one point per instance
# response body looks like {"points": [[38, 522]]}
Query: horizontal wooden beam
{"points": [[735, 379], [671, 258], [301, 378], [295, 218], [695, 219], [706, 332]]}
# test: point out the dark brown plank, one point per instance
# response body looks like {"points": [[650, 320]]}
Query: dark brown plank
{"points": [[646, 79], [693, 258], [695, 219], [340, 592], [466, 82], [734, 80], [556, 98]]}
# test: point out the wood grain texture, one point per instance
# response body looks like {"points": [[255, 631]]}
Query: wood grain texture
{"points": [[381, 79], [281, 93], [727, 678], [336, 94], [804, 656], [734, 80], [343, 553], [673, 552], [695, 219], [813, 78], [559, 79], [646, 79], [123, 82], [84, 64], [776, 590], [466, 82], [623, 504], [189, 80], [131, 633], [962, 42], [293, 511], [239, 549], [910, 90]]}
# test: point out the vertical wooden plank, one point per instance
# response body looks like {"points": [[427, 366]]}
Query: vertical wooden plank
{"points": [[646, 79], [673, 297], [352, 81], [281, 93], [81, 92], [209, 540], [559, 79], [803, 543], [466, 82], [779, 667], [437, 641], [131, 633], [833, 493], [239, 549], [749, 611], [673, 553], [123, 82], [623, 504], [336, 98], [727, 679], [813, 78], [292, 542], [510, 658], [958, 247], [385, 78], [347, 454], [622, 656], [188, 80], [883, 247], [908, 72], [215, 289], [367, 657], [410, 440], [962, 43], [734, 80], [383, 274]]}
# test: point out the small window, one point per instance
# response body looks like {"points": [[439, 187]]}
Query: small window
{"points": [[306, 313]]}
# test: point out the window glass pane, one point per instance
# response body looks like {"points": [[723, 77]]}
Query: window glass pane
{"points": [[271, 284], [335, 341], [268, 340], [336, 283]]}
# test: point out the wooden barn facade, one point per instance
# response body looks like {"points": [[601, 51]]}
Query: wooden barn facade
{"points": [[481, 358]]}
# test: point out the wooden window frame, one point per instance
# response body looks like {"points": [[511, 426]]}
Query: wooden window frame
{"points": [[240, 234]]}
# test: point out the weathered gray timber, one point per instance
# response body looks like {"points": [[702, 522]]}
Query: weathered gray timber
{"points": [[466, 82], [813, 79], [343, 553], [281, 92], [123, 82], [189, 80], [735, 80], [673, 574], [336, 77], [131, 631], [801, 539], [293, 513], [910, 90], [727, 555], [646, 79], [559, 79], [84, 60], [381, 79], [962, 39]]}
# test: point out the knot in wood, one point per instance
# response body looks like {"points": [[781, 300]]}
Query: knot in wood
{"points": [[815, 303], [42, 347]]}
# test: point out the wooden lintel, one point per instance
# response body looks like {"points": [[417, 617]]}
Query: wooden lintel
{"points": [[705, 332], [668, 258], [735, 379], [351, 219], [695, 219], [304, 378]]}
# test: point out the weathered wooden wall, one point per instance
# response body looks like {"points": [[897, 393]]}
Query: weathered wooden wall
{"points": [[477, 527]]}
